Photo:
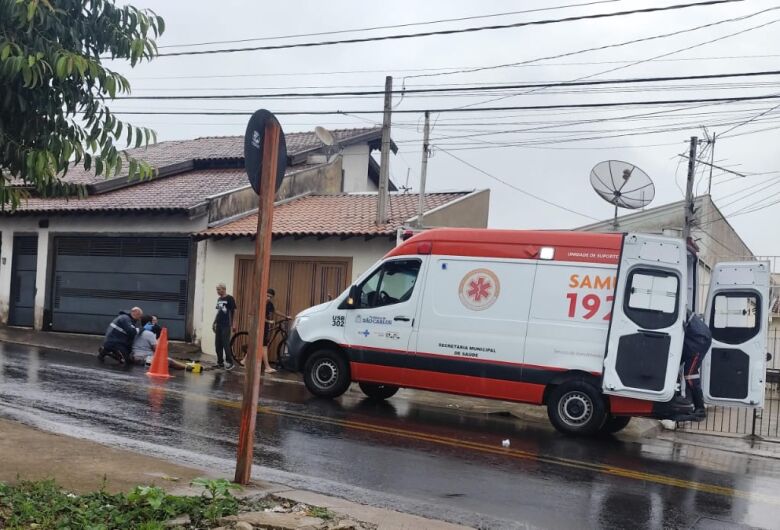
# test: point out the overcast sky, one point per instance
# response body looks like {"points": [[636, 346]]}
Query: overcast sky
{"points": [[553, 160]]}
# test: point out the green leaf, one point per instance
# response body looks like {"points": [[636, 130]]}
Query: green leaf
{"points": [[5, 51], [160, 25], [30, 60], [27, 76], [31, 7], [139, 137], [60, 66]]}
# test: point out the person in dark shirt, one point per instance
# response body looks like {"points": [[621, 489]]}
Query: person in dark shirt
{"points": [[224, 324], [120, 335], [270, 312]]}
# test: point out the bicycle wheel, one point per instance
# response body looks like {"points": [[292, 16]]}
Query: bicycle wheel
{"points": [[239, 345], [281, 350]]}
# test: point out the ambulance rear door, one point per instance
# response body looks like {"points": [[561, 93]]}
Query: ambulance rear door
{"points": [[733, 373], [644, 345]]}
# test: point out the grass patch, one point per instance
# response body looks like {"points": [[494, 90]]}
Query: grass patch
{"points": [[43, 505]]}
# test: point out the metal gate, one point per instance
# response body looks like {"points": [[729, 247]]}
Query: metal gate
{"points": [[96, 277], [25, 259]]}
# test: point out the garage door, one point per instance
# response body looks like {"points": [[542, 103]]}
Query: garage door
{"points": [[95, 277], [299, 282], [23, 270]]}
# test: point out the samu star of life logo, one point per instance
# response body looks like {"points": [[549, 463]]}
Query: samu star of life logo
{"points": [[479, 289]]}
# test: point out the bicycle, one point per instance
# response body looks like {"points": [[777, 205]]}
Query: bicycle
{"points": [[239, 342]]}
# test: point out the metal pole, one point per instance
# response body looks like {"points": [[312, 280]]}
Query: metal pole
{"points": [[712, 162], [689, 190], [384, 161], [265, 214], [423, 169]]}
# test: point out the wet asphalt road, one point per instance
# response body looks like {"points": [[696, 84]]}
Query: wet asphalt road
{"points": [[432, 461]]}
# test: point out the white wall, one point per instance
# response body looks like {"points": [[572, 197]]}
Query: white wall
{"points": [[355, 166], [141, 223], [219, 263]]}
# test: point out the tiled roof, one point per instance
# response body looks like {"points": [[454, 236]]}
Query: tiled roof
{"points": [[215, 148], [169, 194], [342, 214]]}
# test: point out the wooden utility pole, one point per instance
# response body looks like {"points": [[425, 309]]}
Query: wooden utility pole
{"points": [[423, 169], [689, 199], [712, 164], [265, 214], [384, 160]]}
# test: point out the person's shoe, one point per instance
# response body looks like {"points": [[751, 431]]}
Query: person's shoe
{"points": [[700, 413], [270, 370], [101, 354], [220, 365], [229, 367]]}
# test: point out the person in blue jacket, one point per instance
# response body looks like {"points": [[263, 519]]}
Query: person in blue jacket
{"points": [[120, 335]]}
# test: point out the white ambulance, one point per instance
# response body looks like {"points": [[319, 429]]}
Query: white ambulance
{"points": [[590, 325]]}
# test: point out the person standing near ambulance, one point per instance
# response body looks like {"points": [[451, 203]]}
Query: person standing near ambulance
{"points": [[224, 324], [696, 344]]}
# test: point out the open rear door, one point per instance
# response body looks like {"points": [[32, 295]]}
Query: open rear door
{"points": [[734, 371], [646, 332]]}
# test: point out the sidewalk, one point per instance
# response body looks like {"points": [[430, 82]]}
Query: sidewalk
{"points": [[82, 466]]}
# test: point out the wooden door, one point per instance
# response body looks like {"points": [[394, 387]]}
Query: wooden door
{"points": [[299, 283]]}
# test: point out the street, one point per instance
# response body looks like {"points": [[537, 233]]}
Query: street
{"points": [[434, 461]]}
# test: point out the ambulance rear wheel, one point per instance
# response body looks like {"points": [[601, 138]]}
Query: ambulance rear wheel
{"points": [[576, 407], [326, 374], [615, 424], [378, 391]]}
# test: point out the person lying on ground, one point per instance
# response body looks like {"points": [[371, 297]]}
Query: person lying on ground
{"points": [[145, 344]]}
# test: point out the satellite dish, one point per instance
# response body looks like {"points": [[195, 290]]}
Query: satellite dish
{"points": [[332, 147], [622, 184], [324, 135]]}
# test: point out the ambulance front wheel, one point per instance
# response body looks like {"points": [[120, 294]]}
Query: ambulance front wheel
{"points": [[326, 373], [378, 391], [576, 407]]}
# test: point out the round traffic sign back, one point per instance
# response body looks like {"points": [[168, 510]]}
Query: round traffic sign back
{"points": [[253, 149]]}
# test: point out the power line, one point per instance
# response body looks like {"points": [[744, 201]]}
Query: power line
{"points": [[445, 68], [394, 26], [666, 54], [510, 185], [472, 88], [597, 48], [470, 109], [451, 31], [754, 118]]}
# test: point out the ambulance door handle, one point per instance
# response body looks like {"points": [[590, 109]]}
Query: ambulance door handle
{"points": [[402, 319]]}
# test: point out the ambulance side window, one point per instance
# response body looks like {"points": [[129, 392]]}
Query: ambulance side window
{"points": [[736, 317], [392, 283], [652, 298]]}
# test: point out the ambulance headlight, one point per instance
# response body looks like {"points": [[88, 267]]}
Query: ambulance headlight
{"points": [[298, 321]]}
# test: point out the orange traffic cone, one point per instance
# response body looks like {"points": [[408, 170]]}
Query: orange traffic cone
{"points": [[159, 366]]}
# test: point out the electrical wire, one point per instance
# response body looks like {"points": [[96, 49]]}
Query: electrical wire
{"points": [[444, 68], [394, 26], [543, 22], [597, 48], [461, 90], [512, 186], [472, 109], [649, 59]]}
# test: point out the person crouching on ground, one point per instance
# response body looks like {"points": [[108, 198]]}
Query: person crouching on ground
{"points": [[120, 335]]}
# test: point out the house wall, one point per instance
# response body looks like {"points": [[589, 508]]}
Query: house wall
{"points": [[219, 263], [471, 212], [70, 225], [326, 178], [355, 164]]}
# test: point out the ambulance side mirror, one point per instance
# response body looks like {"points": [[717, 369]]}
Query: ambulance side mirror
{"points": [[353, 299]]}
